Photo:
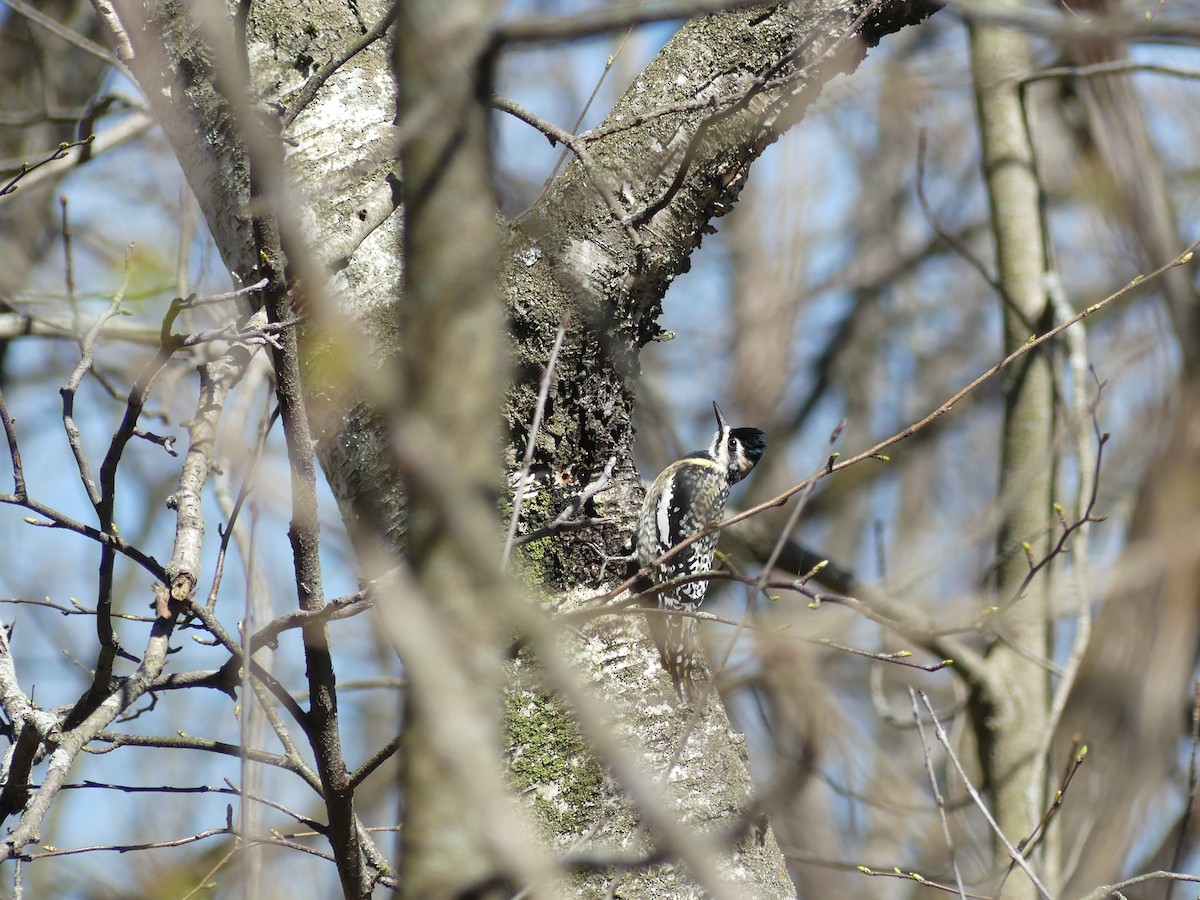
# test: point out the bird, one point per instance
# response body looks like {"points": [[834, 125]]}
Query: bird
{"points": [[688, 495]]}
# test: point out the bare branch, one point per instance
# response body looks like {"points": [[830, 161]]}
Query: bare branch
{"points": [[921, 880], [54, 519], [73, 38], [72, 741], [314, 83], [59, 162], [69, 390], [619, 213], [1193, 784], [189, 742], [539, 29], [1114, 890], [937, 795], [539, 410], [877, 451], [10, 432], [1013, 853], [129, 848]]}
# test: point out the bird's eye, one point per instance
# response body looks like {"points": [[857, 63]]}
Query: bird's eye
{"points": [[732, 442]]}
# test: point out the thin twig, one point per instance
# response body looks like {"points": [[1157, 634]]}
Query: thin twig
{"points": [[1109, 890], [964, 658], [286, 700], [540, 29], [956, 243], [193, 302], [130, 848], [60, 163], [69, 264], [877, 451], [531, 443], [227, 531], [794, 518], [1113, 67], [10, 432], [316, 826], [74, 38], [575, 128], [70, 389], [1069, 529], [576, 145], [1013, 853], [1193, 786], [26, 168], [564, 521], [54, 519], [896, 658], [921, 880], [1078, 755], [115, 739], [267, 333], [75, 609], [317, 81], [560, 527], [337, 608], [1088, 463], [761, 83], [382, 755]]}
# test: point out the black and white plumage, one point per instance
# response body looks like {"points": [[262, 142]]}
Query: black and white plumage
{"points": [[686, 496]]}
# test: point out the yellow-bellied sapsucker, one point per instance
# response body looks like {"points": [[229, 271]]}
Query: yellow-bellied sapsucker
{"points": [[686, 496]]}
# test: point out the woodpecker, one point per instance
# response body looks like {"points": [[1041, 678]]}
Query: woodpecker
{"points": [[686, 496]]}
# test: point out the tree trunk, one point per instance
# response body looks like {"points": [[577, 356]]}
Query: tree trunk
{"points": [[1012, 712], [597, 253]]}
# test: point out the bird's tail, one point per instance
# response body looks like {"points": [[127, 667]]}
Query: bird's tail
{"points": [[680, 650]]}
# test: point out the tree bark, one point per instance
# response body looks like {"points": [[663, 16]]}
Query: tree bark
{"points": [[1012, 713], [598, 253]]}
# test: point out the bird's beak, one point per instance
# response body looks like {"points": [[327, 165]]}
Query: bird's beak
{"points": [[721, 426]]}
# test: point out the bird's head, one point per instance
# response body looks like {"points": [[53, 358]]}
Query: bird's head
{"points": [[737, 449]]}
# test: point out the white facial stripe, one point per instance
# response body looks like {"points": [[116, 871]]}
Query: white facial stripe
{"points": [[663, 513], [720, 448]]}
